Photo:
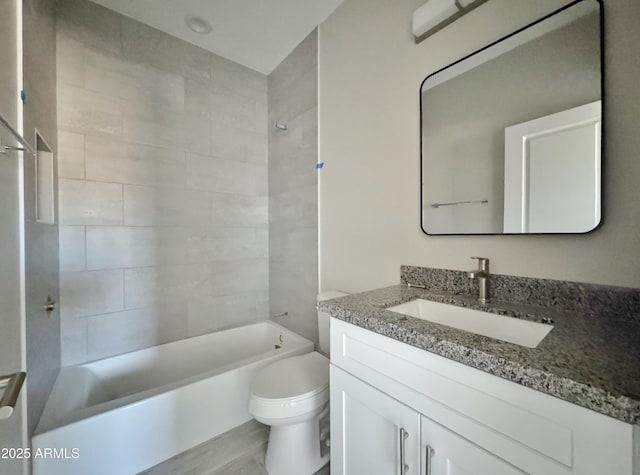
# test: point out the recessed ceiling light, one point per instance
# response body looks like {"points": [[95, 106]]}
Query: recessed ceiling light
{"points": [[197, 24]]}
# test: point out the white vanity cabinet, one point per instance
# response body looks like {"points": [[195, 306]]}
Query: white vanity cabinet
{"points": [[474, 423], [375, 433], [456, 455]]}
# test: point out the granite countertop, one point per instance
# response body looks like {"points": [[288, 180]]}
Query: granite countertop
{"points": [[589, 361]]}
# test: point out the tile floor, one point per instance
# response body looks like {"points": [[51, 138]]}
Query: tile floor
{"points": [[239, 451]]}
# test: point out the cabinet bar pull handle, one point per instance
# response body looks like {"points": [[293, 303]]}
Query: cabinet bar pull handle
{"points": [[430, 453], [404, 468]]}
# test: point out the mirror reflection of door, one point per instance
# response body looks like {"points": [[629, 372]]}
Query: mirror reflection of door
{"points": [[552, 172]]}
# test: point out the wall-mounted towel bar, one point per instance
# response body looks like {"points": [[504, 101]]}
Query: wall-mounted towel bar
{"points": [[11, 384], [11, 140], [278, 315], [438, 205]]}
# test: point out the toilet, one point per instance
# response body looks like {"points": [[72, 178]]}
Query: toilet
{"points": [[292, 396]]}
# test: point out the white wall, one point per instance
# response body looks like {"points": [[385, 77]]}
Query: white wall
{"points": [[370, 70]]}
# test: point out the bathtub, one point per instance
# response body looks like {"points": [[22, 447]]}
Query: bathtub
{"points": [[124, 414]]}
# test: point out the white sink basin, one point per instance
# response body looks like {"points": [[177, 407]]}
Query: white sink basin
{"points": [[509, 329]]}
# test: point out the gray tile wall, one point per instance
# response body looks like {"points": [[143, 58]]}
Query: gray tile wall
{"points": [[41, 239], [293, 189], [163, 186]]}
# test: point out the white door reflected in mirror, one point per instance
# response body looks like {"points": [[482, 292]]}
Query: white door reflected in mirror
{"points": [[552, 172]]}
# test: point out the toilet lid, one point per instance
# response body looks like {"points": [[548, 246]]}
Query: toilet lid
{"points": [[293, 377]]}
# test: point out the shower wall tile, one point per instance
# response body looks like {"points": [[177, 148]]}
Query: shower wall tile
{"points": [[239, 211], [210, 243], [301, 138], [113, 247], [72, 248], [116, 77], [87, 202], [163, 178], [302, 60], [161, 206], [87, 112], [233, 143], [70, 155], [144, 44], [300, 172], [89, 24], [120, 162], [70, 66], [41, 333], [210, 314], [226, 176], [221, 105], [239, 78], [164, 128], [135, 329], [262, 115], [91, 293], [232, 277], [293, 190], [289, 261], [149, 286], [295, 208], [299, 97], [289, 295], [73, 339]]}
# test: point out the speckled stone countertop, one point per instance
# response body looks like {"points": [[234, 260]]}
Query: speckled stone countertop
{"points": [[589, 361]]}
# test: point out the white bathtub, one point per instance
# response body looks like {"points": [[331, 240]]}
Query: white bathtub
{"points": [[127, 413]]}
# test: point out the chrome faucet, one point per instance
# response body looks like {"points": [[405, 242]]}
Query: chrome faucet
{"points": [[482, 274]]}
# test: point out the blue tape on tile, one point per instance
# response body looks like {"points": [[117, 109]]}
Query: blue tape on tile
{"points": [[319, 165]]}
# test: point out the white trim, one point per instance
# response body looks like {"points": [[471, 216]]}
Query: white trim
{"points": [[26, 469]]}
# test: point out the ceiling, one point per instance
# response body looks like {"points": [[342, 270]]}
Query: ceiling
{"points": [[256, 33]]}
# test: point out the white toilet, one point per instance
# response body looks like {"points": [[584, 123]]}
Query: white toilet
{"points": [[292, 396]]}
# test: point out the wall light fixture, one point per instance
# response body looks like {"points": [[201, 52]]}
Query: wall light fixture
{"points": [[434, 15]]}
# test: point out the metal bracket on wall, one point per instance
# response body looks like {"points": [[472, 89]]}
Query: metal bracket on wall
{"points": [[11, 140]]}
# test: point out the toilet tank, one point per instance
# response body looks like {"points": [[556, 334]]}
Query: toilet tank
{"points": [[323, 320]]}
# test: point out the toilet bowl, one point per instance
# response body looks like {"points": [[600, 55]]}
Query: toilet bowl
{"points": [[292, 396]]}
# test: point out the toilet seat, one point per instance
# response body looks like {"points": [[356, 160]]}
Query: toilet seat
{"points": [[290, 387]]}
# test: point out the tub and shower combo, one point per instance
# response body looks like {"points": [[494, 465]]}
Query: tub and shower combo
{"points": [[127, 413]]}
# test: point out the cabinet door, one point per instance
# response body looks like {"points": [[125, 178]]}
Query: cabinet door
{"points": [[454, 455], [366, 427]]}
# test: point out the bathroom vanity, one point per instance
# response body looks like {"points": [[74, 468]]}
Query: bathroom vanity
{"points": [[476, 405]]}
